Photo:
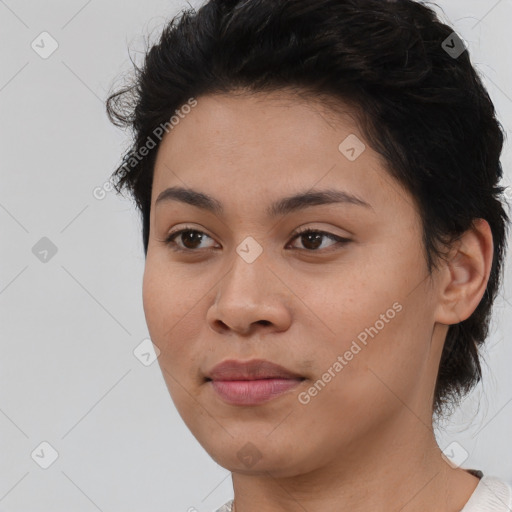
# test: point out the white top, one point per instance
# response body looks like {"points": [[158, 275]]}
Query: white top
{"points": [[490, 495]]}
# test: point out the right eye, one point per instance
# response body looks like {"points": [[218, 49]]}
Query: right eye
{"points": [[189, 238]]}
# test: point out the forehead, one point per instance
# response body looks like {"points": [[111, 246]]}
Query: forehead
{"points": [[266, 145], [237, 123]]}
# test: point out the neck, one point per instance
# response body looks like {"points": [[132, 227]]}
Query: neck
{"points": [[388, 470]]}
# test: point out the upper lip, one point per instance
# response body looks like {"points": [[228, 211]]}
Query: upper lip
{"points": [[254, 369]]}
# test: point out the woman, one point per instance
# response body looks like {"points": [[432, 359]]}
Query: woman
{"points": [[324, 236]]}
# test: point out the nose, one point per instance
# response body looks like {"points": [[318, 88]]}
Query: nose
{"points": [[250, 298]]}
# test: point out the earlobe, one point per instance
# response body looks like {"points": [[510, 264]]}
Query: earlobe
{"points": [[465, 274]]}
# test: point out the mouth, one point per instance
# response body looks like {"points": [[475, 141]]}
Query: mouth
{"points": [[255, 369], [252, 392], [251, 382]]}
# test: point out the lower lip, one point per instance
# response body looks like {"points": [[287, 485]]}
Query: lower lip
{"points": [[251, 392]]}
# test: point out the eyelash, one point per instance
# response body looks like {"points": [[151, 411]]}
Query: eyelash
{"points": [[172, 244]]}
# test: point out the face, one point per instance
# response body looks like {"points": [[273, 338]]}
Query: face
{"points": [[349, 306]]}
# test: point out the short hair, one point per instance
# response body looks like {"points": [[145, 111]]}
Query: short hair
{"points": [[419, 105]]}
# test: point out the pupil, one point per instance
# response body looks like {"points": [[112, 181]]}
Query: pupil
{"points": [[191, 235], [316, 238]]}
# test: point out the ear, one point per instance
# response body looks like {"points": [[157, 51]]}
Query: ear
{"points": [[464, 276]]}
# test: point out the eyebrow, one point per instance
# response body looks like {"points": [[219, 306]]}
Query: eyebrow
{"points": [[281, 207]]}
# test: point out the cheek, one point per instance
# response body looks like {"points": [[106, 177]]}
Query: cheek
{"points": [[165, 311], [173, 312], [155, 302], [380, 325], [356, 305], [165, 307]]}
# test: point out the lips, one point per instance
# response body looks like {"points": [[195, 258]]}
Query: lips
{"points": [[255, 369], [251, 383]]}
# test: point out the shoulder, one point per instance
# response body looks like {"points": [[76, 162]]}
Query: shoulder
{"points": [[226, 507], [492, 494]]}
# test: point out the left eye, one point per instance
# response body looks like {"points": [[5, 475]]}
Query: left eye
{"points": [[311, 238]]}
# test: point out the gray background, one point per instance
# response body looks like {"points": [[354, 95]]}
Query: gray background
{"points": [[69, 326]]}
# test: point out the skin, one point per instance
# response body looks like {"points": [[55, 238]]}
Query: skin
{"points": [[365, 441]]}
